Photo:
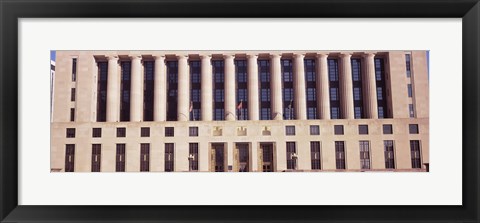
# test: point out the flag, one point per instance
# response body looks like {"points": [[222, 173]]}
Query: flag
{"points": [[240, 105], [191, 106], [290, 105]]}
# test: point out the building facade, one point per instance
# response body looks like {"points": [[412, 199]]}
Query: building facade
{"points": [[240, 111]]}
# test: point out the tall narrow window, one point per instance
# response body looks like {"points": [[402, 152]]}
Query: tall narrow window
{"points": [[357, 88], [340, 155], [172, 90], [315, 155], [311, 83], [287, 90], [96, 157], [219, 90], [72, 94], [102, 91], [389, 154], [291, 156], [148, 86], [195, 90], [72, 114], [125, 91], [407, 63], [364, 154], [169, 157], [70, 158], [242, 89], [265, 100], [415, 153], [334, 88], [144, 157], [409, 89], [120, 158], [381, 90], [74, 69], [193, 156], [411, 111]]}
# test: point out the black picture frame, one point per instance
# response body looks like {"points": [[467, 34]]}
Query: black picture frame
{"points": [[11, 11]]}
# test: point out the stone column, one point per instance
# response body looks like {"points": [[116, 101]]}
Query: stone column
{"points": [[113, 90], [207, 88], [253, 97], [160, 89], [346, 87], [300, 91], [369, 86], [276, 86], [136, 89], [230, 113], [183, 89], [323, 86]]}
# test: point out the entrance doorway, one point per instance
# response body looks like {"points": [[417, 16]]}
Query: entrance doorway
{"points": [[266, 157], [242, 157], [217, 160]]}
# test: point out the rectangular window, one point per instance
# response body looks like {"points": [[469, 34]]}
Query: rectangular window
{"points": [[365, 154], [96, 157], [145, 132], [315, 155], [357, 87], [102, 91], [172, 90], [413, 129], [121, 132], [407, 63], [312, 113], [387, 129], [195, 90], [169, 131], [363, 129], [70, 132], [264, 89], [338, 129], [335, 112], [287, 89], [380, 76], [144, 157], [72, 94], [125, 86], [70, 158], [242, 89], [409, 88], [219, 89], [415, 153], [389, 154], [120, 158], [334, 88], [148, 85], [72, 114], [314, 130], [290, 130], [193, 156], [193, 131], [169, 157], [291, 156], [74, 69], [340, 155], [411, 111], [97, 132]]}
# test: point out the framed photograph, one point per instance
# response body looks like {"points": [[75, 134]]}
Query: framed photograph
{"points": [[230, 111]]}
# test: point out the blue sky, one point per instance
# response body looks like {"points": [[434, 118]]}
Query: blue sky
{"points": [[53, 54]]}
